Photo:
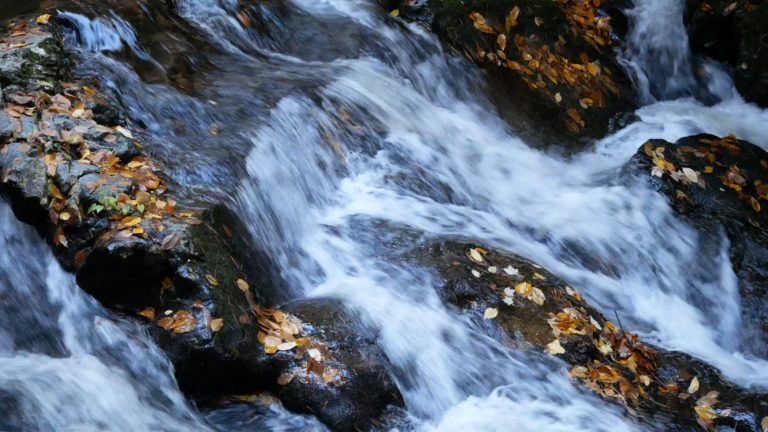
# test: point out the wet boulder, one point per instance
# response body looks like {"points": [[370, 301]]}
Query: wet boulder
{"points": [[526, 307], [32, 58], [733, 32], [550, 61], [720, 185], [343, 378], [143, 245]]}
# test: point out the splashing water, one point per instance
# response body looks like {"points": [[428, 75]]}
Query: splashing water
{"points": [[395, 138], [65, 363]]}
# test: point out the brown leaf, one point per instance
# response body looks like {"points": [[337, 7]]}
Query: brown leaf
{"points": [[243, 285], [148, 313], [169, 242], [511, 20], [480, 23], [285, 378], [217, 324]]}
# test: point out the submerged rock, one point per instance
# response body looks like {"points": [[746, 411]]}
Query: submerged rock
{"points": [[528, 308], [553, 59], [142, 245], [735, 33]]}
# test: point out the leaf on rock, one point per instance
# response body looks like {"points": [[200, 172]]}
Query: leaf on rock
{"points": [[243, 285], [694, 386], [554, 348], [148, 313], [511, 20], [123, 131], [217, 324], [211, 280], [480, 23], [43, 19], [285, 378]]}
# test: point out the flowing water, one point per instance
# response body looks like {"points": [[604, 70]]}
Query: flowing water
{"points": [[345, 138]]}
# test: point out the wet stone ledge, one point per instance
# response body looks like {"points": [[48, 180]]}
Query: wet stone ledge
{"points": [[72, 167], [525, 307]]}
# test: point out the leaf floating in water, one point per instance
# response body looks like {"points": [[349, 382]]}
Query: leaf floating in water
{"points": [[554, 348], [490, 313]]}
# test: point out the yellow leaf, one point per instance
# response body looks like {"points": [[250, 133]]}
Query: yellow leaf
{"points": [[490, 313], [755, 204], [764, 424], [593, 69], [706, 413], [511, 20], [243, 285], [708, 170], [65, 216], [217, 324], [130, 221], [211, 280], [579, 372], [395, 13], [554, 348], [43, 19], [694, 386]]}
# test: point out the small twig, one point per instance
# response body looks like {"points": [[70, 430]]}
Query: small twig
{"points": [[621, 327]]}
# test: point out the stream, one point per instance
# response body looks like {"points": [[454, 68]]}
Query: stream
{"points": [[345, 139]]}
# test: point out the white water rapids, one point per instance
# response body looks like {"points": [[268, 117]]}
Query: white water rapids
{"points": [[441, 164]]}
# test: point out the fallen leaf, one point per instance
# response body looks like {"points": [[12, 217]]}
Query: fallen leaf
{"points": [[511, 271], [476, 256], [43, 19], [511, 20], [286, 346], [694, 386], [395, 13], [554, 348], [123, 131], [691, 175], [285, 378], [148, 313], [764, 424], [216, 324], [169, 242], [130, 221], [480, 23], [243, 285], [490, 313], [502, 41], [211, 280]]}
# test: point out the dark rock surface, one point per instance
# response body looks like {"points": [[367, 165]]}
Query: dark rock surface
{"points": [[735, 33], [527, 308], [143, 246], [553, 60], [729, 195]]}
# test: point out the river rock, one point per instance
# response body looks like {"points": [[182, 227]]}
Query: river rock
{"points": [[733, 32], [144, 246], [720, 185], [527, 307], [551, 62]]}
